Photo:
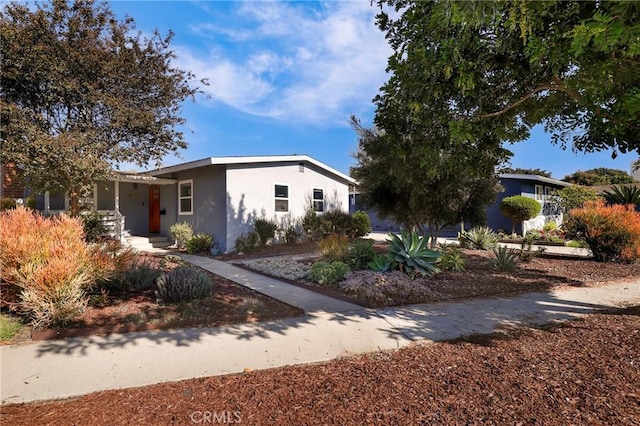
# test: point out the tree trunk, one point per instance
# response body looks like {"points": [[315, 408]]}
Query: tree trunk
{"points": [[74, 203]]}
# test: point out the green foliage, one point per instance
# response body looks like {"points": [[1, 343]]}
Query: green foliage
{"points": [[599, 176], [181, 234], [291, 235], [334, 247], [183, 284], [519, 208], [381, 263], [199, 243], [521, 171], [9, 327], [411, 253], [137, 276], [550, 226], [361, 224], [93, 227], [623, 195], [7, 203], [247, 242], [82, 91], [456, 59], [327, 273], [265, 229], [361, 252], [336, 222], [478, 238], [451, 258], [526, 247], [504, 259], [311, 225], [574, 197]]}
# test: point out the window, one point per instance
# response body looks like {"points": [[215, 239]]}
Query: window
{"points": [[282, 198], [538, 190], [318, 200], [185, 197], [548, 193]]}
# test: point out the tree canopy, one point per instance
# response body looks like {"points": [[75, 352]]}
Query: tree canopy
{"points": [[82, 92], [521, 171], [599, 176], [572, 66]]}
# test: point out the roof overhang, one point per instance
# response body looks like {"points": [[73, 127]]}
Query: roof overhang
{"points": [[146, 179], [535, 178]]}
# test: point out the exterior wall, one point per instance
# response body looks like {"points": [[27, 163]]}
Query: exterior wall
{"points": [[106, 195], [251, 194], [209, 203], [134, 206], [168, 208]]}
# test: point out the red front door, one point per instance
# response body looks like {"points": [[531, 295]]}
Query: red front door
{"points": [[154, 209]]}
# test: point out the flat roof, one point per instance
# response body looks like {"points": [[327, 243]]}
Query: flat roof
{"points": [[258, 159], [534, 178]]}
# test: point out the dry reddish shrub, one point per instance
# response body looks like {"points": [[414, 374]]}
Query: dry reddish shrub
{"points": [[612, 232], [48, 264]]}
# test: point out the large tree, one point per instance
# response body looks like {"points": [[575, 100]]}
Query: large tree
{"points": [[599, 176], [82, 92], [572, 66], [521, 171]]}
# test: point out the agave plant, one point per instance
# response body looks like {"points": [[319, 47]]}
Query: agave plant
{"points": [[412, 254], [478, 238], [623, 194], [381, 263]]}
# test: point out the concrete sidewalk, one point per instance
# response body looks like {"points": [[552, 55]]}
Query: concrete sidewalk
{"points": [[64, 368]]}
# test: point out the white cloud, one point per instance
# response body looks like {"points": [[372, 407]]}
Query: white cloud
{"points": [[296, 61]]}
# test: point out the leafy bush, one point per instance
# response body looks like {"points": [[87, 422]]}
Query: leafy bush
{"points": [[550, 226], [47, 264], [311, 225], [612, 232], [247, 242], [451, 258], [291, 235], [361, 253], [199, 243], [411, 253], [574, 197], [478, 238], [93, 227], [336, 222], [7, 203], [504, 259], [519, 208], [183, 284], [381, 263], [138, 276], [325, 273], [181, 234], [334, 247], [361, 224], [266, 230]]}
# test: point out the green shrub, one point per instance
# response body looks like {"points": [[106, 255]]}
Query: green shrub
{"points": [[199, 243], [336, 222], [451, 258], [361, 224], [311, 225], [411, 253], [7, 203], [265, 229], [183, 284], [381, 263], [574, 197], [9, 327], [247, 242], [504, 259], [526, 247], [550, 226], [334, 247], [479, 238], [612, 232], [519, 208], [291, 235], [139, 276], [325, 273], [181, 234], [577, 244], [93, 227], [361, 253]]}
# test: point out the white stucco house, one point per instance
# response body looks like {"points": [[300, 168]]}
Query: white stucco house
{"points": [[222, 196]]}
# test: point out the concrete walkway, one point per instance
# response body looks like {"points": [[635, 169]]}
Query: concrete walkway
{"points": [[65, 368]]}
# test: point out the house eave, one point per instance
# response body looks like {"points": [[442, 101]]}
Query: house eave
{"points": [[142, 178], [535, 178]]}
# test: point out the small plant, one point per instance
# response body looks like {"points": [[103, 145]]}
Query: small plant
{"points": [[93, 227], [577, 244], [381, 263], [361, 253], [247, 242], [9, 327], [99, 299], [410, 251], [291, 235], [265, 229], [334, 247], [183, 284], [504, 259], [336, 222], [550, 226], [325, 273], [519, 208], [199, 243], [526, 247], [311, 225], [181, 234], [451, 259], [479, 238], [139, 276], [361, 224]]}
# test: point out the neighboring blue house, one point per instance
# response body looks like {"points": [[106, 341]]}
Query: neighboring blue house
{"points": [[540, 188]]}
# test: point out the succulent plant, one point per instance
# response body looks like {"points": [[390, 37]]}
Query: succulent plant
{"points": [[412, 254]]}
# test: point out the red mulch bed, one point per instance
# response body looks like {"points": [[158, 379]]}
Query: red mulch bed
{"points": [[582, 372]]}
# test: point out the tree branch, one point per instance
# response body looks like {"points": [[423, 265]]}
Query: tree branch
{"points": [[519, 101]]}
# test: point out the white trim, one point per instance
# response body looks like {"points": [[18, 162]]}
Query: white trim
{"points": [[313, 200], [275, 198], [180, 197], [538, 196]]}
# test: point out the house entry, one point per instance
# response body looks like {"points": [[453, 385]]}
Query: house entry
{"points": [[154, 209]]}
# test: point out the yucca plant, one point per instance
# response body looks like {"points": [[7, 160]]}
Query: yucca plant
{"points": [[451, 259], [478, 238], [623, 195], [412, 254], [504, 259]]}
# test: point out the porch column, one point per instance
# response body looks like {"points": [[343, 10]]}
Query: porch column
{"points": [[95, 198], [117, 196], [47, 203]]}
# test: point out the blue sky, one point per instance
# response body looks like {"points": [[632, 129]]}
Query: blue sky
{"points": [[285, 76]]}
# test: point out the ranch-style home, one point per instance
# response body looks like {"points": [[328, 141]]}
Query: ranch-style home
{"points": [[221, 196]]}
